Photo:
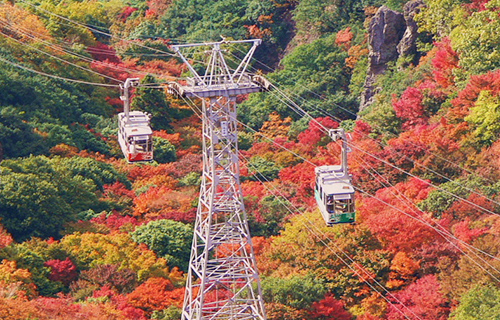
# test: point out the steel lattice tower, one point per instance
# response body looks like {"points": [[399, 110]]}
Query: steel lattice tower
{"points": [[223, 282]]}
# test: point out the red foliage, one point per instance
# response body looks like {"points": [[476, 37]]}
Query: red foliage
{"points": [[118, 189], [344, 38], [103, 52], [312, 135], [423, 298], [464, 232], [388, 215], [329, 309], [476, 5], [62, 270], [121, 302], [111, 69], [115, 221], [467, 97], [156, 8], [361, 130], [461, 209], [127, 11], [301, 175], [409, 107], [415, 104], [445, 61]]}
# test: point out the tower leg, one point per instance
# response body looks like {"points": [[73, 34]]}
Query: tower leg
{"points": [[223, 281]]}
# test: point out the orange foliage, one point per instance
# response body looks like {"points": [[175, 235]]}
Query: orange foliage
{"points": [[18, 281], [275, 126], [403, 270], [276, 311], [5, 238], [16, 309], [355, 53], [344, 38], [165, 69], [255, 32], [156, 180], [156, 8], [160, 201], [173, 138], [156, 294], [64, 150]]}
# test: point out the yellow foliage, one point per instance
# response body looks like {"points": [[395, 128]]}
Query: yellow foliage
{"points": [[21, 25], [94, 249]]}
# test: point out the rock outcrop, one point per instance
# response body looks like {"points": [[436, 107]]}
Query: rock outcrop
{"points": [[391, 35], [408, 44]]}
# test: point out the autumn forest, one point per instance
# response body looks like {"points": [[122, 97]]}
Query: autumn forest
{"points": [[415, 84]]}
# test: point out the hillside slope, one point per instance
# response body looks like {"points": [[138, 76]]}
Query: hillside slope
{"points": [[84, 235]]}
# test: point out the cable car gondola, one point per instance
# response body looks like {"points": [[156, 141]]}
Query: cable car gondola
{"points": [[134, 132], [334, 192]]}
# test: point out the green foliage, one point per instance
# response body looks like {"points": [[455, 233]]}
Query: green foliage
{"points": [[99, 173], [273, 210], [99, 14], [51, 107], [198, 20], [382, 117], [298, 291], [164, 151], [263, 169], [154, 101], [16, 136], [245, 140], [396, 5], [319, 17], [481, 302], [172, 313], [440, 17], [39, 195], [477, 42], [29, 256], [191, 179], [439, 201], [485, 116], [169, 239], [313, 73]]}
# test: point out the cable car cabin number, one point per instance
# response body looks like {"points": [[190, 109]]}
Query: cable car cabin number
{"points": [[334, 192], [135, 136]]}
